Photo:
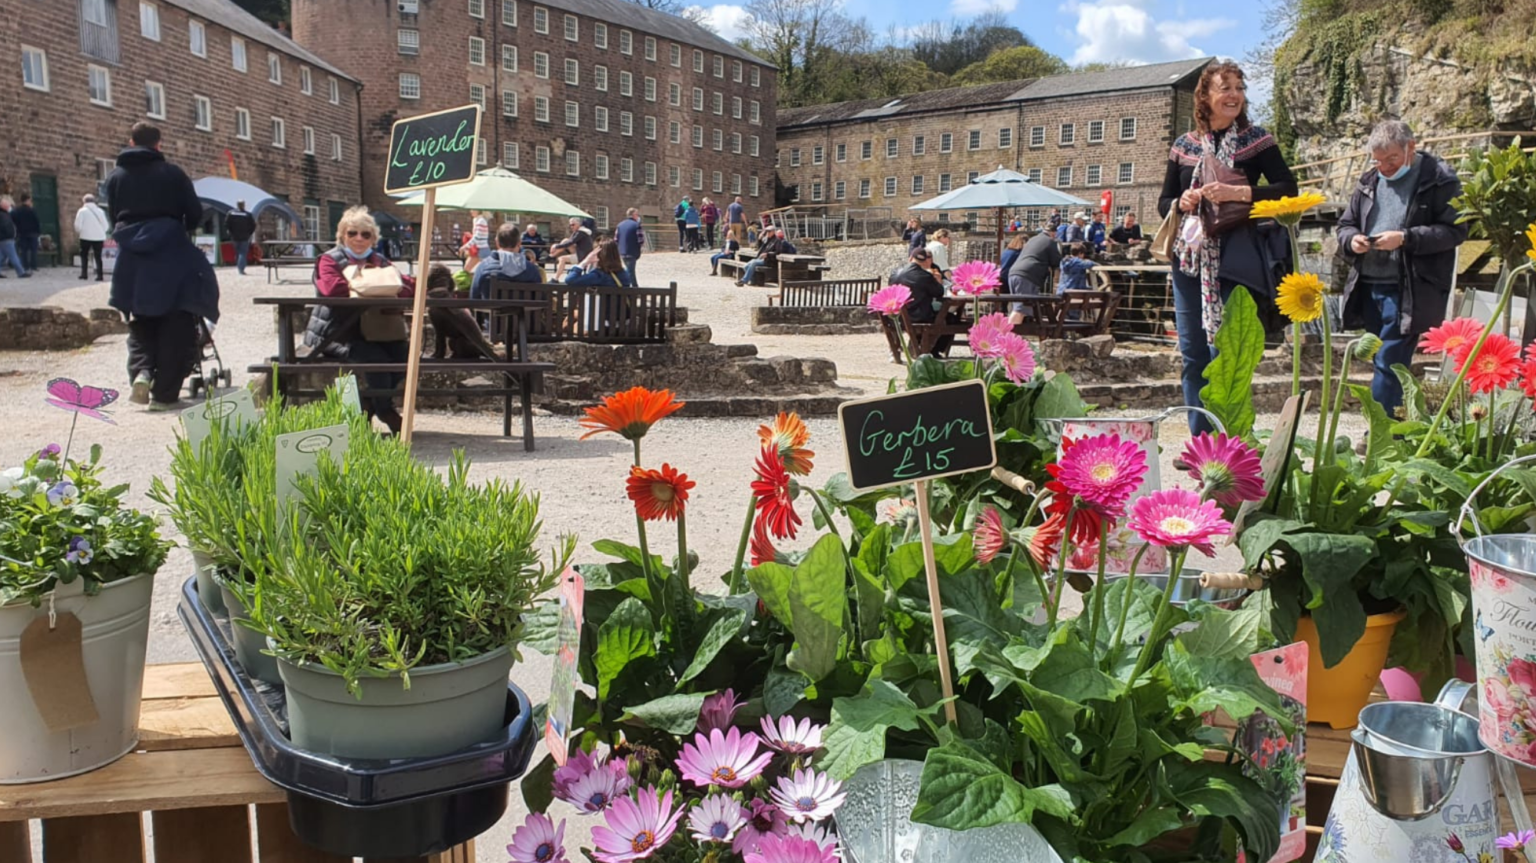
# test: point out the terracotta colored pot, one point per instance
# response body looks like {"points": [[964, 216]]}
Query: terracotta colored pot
{"points": [[1336, 695]]}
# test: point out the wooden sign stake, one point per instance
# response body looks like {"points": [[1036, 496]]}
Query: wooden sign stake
{"points": [[418, 313], [935, 602]]}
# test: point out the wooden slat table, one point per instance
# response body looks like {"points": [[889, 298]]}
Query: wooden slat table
{"points": [[192, 777]]}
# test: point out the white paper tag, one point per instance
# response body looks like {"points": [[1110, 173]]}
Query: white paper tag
{"points": [[562, 687], [238, 408], [347, 384], [299, 452]]}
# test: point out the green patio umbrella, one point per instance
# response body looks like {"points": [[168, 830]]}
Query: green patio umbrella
{"points": [[498, 190]]}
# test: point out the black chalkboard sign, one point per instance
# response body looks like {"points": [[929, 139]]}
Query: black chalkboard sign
{"points": [[922, 434], [433, 150]]}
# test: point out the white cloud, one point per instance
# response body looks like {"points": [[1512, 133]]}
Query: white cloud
{"points": [[972, 8], [1124, 31], [729, 21]]}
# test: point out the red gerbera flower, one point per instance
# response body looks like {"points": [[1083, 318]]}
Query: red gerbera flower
{"points": [[762, 546], [1494, 367], [1046, 542], [989, 537], [773, 501], [789, 436], [1085, 522], [658, 493], [1527, 370], [630, 414], [1450, 336]]}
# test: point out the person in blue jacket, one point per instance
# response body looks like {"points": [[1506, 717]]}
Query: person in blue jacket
{"points": [[1074, 270], [509, 262], [692, 220], [630, 237], [1097, 232]]}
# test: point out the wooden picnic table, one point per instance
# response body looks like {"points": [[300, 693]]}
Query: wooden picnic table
{"points": [[1046, 316], [1146, 306], [799, 268], [277, 255]]}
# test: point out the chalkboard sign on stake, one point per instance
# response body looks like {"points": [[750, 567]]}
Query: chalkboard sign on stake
{"points": [[432, 150], [923, 434]]}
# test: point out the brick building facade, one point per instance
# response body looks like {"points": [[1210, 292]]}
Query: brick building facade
{"points": [[1083, 133], [605, 103], [222, 86]]}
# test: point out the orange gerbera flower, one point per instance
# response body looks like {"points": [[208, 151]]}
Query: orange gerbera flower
{"points": [[630, 414], [1451, 336], [788, 435], [1495, 366], [658, 493], [774, 505]]}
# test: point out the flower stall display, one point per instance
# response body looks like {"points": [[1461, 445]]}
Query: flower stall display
{"points": [[77, 575]]}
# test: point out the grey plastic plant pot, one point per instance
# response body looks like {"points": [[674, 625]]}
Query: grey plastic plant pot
{"points": [[207, 589], [448, 707], [248, 642]]}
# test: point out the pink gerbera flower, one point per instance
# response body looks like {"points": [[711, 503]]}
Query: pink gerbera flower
{"points": [[791, 738], [989, 537], [1178, 518], [1018, 357], [763, 819], [719, 710], [539, 840], [1226, 468], [1450, 336], [728, 759], [976, 277], [890, 300], [598, 788], [636, 829], [791, 849], [807, 796], [986, 332], [1103, 471], [716, 819]]}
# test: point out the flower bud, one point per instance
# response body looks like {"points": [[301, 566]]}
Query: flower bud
{"points": [[667, 781], [1367, 346]]}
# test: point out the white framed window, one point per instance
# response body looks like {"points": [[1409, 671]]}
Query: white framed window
{"points": [[944, 183], [336, 152], [650, 128], [410, 7], [973, 139], [674, 176], [1126, 174], [719, 140], [970, 177], [1095, 131], [242, 124], [867, 150], [754, 146], [650, 173], [407, 41], [154, 100], [1064, 176], [311, 222], [197, 38], [600, 118], [600, 166], [1094, 176], [626, 124], [202, 113], [274, 68], [919, 145], [602, 217], [650, 48], [675, 54], [1067, 135], [719, 65], [540, 64], [817, 155], [698, 136], [509, 58], [756, 117], [735, 184], [675, 132], [335, 90], [572, 72], [626, 84], [476, 51], [509, 155], [541, 109], [410, 85], [541, 23], [306, 82], [509, 13], [719, 182], [309, 141], [572, 29], [892, 148], [279, 133], [572, 163], [794, 157], [1037, 136], [237, 53], [477, 8], [541, 159], [698, 179], [736, 107], [1127, 128], [650, 89], [736, 143], [627, 170], [34, 68], [864, 188], [1036, 175], [752, 188], [675, 95], [917, 184], [509, 103], [482, 152], [600, 78], [755, 71], [840, 190], [736, 71], [698, 98], [1005, 138], [149, 21], [95, 12], [890, 187], [600, 35], [477, 95], [717, 103], [698, 60], [626, 44]]}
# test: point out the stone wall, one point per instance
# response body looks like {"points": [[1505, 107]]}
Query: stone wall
{"points": [[864, 259], [50, 328], [815, 321]]}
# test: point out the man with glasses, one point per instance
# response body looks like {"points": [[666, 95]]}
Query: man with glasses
{"points": [[1400, 233]]}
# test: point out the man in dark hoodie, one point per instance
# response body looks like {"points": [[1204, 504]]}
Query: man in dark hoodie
{"points": [[241, 226], [29, 231], [162, 282]]}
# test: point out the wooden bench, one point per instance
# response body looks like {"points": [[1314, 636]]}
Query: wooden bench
{"points": [[190, 774], [1088, 313], [276, 264], [825, 294], [732, 266], [599, 314]]}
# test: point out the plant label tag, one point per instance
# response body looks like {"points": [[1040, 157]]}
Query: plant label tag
{"points": [[1278, 762], [562, 689], [52, 663], [1272, 466], [349, 396], [921, 434], [298, 453], [236, 409]]}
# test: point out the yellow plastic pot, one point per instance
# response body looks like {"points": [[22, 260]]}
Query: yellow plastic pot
{"points": [[1336, 695]]}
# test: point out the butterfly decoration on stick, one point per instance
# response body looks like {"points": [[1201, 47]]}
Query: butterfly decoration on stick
{"points": [[68, 395]]}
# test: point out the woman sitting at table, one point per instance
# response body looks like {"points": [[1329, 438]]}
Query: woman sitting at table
{"points": [[732, 246], [360, 335]]}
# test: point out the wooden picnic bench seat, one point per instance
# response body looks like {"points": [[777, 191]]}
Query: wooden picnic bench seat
{"points": [[1088, 313], [732, 267], [600, 314], [825, 293], [277, 263]]}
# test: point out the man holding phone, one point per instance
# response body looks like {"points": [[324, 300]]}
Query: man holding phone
{"points": [[1400, 233]]}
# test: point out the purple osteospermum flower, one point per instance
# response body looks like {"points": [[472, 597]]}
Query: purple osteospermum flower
{"points": [[817, 833], [791, 738], [807, 795], [636, 829], [575, 767], [728, 759], [539, 840], [791, 849], [63, 493], [719, 711], [1516, 841], [50, 451], [763, 819], [79, 551], [596, 789], [716, 819]]}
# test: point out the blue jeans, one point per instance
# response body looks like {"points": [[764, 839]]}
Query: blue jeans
{"points": [[629, 267], [8, 256], [1381, 316], [1194, 345], [242, 252], [751, 270], [364, 351]]}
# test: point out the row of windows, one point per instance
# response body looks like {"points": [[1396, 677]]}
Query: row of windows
{"points": [[602, 164], [973, 142], [571, 30], [1095, 174], [1066, 133]]}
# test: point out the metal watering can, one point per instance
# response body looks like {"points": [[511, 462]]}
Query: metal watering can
{"points": [[1418, 786]]}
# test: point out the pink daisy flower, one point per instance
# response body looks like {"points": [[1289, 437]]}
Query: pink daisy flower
{"points": [[791, 738], [1178, 518], [791, 849], [598, 788], [1018, 357], [763, 819], [539, 840], [985, 333], [719, 710], [716, 819], [817, 833], [575, 767], [890, 300], [1226, 468], [636, 829], [976, 277], [989, 537], [1103, 471], [807, 796], [728, 759]]}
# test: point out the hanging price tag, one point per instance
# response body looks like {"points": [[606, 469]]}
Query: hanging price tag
{"points": [[54, 667], [562, 689]]}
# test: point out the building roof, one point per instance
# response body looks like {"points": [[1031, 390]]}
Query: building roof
{"points": [[993, 95], [226, 14], [625, 13]]}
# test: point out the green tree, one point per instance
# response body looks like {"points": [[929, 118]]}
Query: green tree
{"points": [[1011, 64], [270, 11], [948, 48]]}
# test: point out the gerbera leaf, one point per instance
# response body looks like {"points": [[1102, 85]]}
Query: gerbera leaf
{"points": [[1378, 439], [724, 628], [674, 714], [818, 606], [1059, 399], [1228, 392], [625, 636], [961, 790], [770, 581]]}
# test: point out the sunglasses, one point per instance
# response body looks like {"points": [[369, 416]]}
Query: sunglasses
{"points": [[367, 235]]}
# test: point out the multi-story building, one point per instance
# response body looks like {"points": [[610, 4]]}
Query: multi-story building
{"points": [[228, 92], [605, 103], [1083, 133]]}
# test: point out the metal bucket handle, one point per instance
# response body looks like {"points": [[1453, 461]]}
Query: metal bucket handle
{"points": [[1453, 695], [1154, 418], [1467, 511]]}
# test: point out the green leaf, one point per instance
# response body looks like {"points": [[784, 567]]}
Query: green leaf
{"points": [[1421, 469], [1149, 825], [1239, 343], [1414, 408], [818, 605], [1230, 683], [1378, 440], [1329, 564], [1070, 671], [771, 581], [628, 553], [952, 554], [538, 785], [856, 735], [963, 791], [1059, 399], [1221, 634], [1221, 790], [674, 714], [725, 627], [1260, 535], [541, 628], [973, 611], [782, 690], [626, 635]]}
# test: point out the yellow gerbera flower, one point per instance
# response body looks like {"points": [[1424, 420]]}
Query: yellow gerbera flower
{"points": [[1300, 297], [1530, 235], [1287, 211]]}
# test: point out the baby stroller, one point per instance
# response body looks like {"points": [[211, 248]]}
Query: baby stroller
{"points": [[208, 370]]}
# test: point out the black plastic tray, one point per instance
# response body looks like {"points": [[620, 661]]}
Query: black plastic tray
{"points": [[361, 807]]}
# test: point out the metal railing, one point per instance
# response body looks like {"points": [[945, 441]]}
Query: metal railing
{"points": [[1336, 177]]}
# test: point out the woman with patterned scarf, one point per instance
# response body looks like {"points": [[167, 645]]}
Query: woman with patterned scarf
{"points": [[1232, 155]]}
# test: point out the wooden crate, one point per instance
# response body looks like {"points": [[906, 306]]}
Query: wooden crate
{"points": [[190, 783]]}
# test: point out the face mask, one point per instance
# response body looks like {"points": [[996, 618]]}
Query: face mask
{"points": [[1401, 172]]}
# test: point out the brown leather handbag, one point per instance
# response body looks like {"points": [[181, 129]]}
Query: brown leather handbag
{"points": [[1223, 218]]}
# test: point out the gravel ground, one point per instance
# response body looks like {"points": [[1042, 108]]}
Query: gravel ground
{"points": [[581, 482]]}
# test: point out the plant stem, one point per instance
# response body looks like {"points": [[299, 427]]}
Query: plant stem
{"points": [[1125, 604], [682, 552], [1176, 566], [1290, 232], [1061, 567], [1098, 587], [1324, 451], [1338, 397], [69, 441], [741, 547], [645, 551]]}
